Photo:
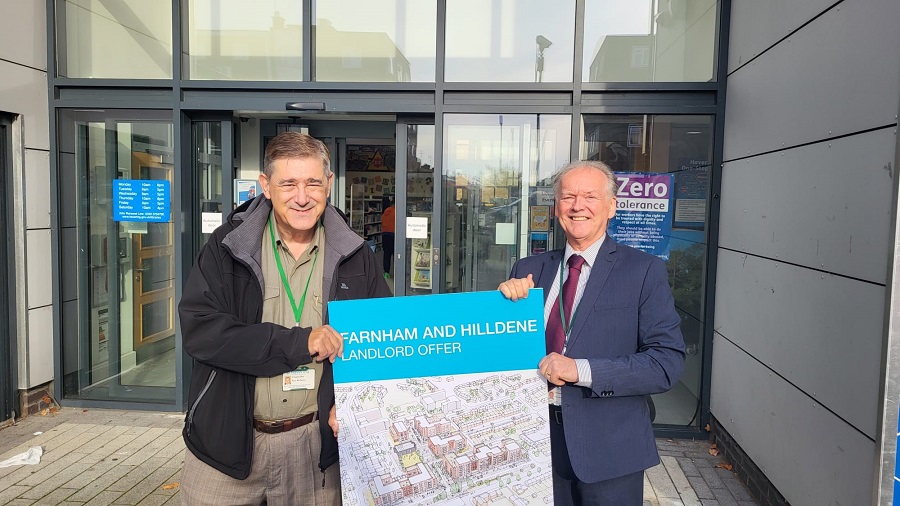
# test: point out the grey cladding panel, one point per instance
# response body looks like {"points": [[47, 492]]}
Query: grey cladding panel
{"points": [[826, 205], [23, 33], [838, 75], [757, 25], [810, 455], [822, 333]]}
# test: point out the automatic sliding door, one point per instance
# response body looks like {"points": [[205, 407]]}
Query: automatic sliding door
{"points": [[212, 170], [413, 258]]}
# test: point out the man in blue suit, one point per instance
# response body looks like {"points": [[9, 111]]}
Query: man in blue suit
{"points": [[612, 338]]}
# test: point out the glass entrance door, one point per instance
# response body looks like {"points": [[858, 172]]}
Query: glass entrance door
{"points": [[414, 252], [212, 169], [120, 248], [497, 199]]}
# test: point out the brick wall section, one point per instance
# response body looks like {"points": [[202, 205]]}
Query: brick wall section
{"points": [[32, 401], [747, 471]]}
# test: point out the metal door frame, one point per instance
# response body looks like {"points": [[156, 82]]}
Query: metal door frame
{"points": [[8, 343]]}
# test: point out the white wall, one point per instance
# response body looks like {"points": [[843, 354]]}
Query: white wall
{"points": [[805, 240], [23, 93]]}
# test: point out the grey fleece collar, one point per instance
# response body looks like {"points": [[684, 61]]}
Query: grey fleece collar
{"points": [[245, 241]]}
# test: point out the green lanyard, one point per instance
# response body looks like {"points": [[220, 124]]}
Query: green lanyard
{"points": [[566, 325], [298, 310]]}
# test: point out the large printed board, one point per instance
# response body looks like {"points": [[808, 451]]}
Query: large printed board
{"points": [[439, 400]]}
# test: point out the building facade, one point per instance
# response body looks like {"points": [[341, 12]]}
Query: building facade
{"points": [[458, 112]]}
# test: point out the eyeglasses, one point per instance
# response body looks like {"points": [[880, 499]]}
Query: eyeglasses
{"points": [[313, 187]]}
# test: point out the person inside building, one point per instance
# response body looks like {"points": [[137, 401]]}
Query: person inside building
{"points": [[612, 337], [388, 219], [261, 426]]}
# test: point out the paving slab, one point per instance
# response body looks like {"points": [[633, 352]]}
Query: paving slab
{"points": [[97, 457]]}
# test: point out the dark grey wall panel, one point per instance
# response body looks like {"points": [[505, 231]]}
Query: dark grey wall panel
{"points": [[837, 75], [759, 24], [820, 332], [67, 188], [69, 330], [825, 205], [68, 253], [810, 455], [412, 102]]}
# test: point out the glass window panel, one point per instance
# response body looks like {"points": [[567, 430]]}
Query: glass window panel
{"points": [[510, 40], [156, 317], [208, 169], [497, 198], [375, 40], [122, 39], [124, 348], [649, 41], [679, 148], [245, 41], [419, 204]]}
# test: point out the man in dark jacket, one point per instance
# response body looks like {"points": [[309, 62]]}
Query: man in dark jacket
{"points": [[254, 318]]}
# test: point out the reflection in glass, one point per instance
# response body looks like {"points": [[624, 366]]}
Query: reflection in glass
{"points": [[156, 317], [240, 40], [375, 40], [648, 41], [522, 41], [157, 273], [681, 147], [497, 193], [122, 39], [123, 347]]}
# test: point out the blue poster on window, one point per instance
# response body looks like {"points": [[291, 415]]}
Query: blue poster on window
{"points": [[644, 213], [439, 400], [142, 200], [244, 190], [896, 501]]}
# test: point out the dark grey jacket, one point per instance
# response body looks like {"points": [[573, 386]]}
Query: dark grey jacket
{"points": [[220, 313]]}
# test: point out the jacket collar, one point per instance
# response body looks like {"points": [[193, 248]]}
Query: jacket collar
{"points": [[249, 220]]}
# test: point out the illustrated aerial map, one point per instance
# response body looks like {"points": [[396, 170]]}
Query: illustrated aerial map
{"points": [[469, 439]]}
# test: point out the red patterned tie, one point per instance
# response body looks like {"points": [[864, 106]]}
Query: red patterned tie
{"points": [[556, 336]]}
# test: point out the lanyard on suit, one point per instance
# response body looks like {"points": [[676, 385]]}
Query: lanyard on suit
{"points": [[566, 325]]}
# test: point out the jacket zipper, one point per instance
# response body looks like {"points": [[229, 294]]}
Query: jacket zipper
{"points": [[190, 417]]}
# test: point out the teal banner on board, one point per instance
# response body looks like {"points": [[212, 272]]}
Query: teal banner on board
{"points": [[437, 335]]}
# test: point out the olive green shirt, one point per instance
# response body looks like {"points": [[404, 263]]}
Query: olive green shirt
{"points": [[271, 401]]}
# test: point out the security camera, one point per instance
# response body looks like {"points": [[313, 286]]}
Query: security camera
{"points": [[244, 119], [543, 42]]}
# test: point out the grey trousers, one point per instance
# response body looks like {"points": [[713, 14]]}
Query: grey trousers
{"points": [[285, 472]]}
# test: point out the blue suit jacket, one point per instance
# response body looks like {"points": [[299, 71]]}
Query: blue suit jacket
{"points": [[627, 327]]}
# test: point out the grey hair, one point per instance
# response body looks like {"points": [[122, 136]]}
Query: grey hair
{"points": [[295, 145], [591, 164]]}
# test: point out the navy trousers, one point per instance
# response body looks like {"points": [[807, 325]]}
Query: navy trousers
{"points": [[568, 490]]}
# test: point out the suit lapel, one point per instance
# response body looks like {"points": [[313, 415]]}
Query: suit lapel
{"points": [[599, 274], [549, 271]]}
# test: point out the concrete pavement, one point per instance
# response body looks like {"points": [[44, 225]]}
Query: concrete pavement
{"points": [[98, 457]]}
